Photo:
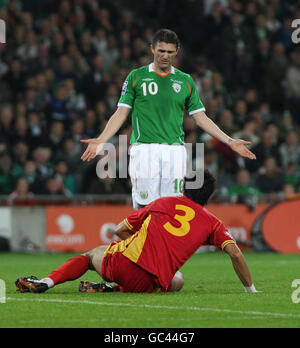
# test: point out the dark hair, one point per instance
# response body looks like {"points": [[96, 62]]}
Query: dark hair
{"points": [[167, 36], [201, 195]]}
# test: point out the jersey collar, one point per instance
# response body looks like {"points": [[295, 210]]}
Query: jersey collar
{"points": [[151, 69]]}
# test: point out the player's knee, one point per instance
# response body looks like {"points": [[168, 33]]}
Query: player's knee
{"points": [[177, 282], [90, 255]]}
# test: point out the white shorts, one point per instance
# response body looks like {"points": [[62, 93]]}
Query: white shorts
{"points": [[156, 170]]}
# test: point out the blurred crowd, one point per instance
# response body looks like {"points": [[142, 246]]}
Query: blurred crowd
{"points": [[64, 64]]}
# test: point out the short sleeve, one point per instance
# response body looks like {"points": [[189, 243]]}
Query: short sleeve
{"points": [[135, 221], [128, 91], [193, 103], [220, 236]]}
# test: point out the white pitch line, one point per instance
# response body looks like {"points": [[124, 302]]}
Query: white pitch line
{"points": [[200, 309]]}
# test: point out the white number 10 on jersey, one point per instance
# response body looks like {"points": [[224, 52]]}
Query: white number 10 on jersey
{"points": [[152, 88]]}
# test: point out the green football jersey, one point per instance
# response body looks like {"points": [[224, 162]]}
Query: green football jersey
{"points": [[158, 104]]}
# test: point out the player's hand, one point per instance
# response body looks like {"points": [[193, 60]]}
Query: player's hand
{"points": [[93, 149], [240, 147]]}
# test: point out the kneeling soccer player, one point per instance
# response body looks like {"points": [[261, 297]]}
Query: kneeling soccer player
{"points": [[156, 241]]}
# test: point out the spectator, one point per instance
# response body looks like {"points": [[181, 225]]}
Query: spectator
{"points": [[90, 124], [213, 26], [65, 14], [21, 132], [126, 58], [107, 186], [227, 123], [15, 77], [28, 52], [44, 167], [251, 99], [261, 60], [292, 175], [78, 61], [67, 181], [35, 129], [9, 172], [284, 33], [57, 48], [99, 41], [86, 47], [293, 85], [20, 153], [58, 108], [70, 153], [42, 93], [271, 181], [249, 133], [30, 173], [233, 36], [93, 85], [290, 150], [21, 191], [56, 136], [240, 112], [54, 187], [286, 124], [272, 23], [206, 90], [243, 191], [65, 70], [6, 122], [264, 149], [111, 54], [76, 101], [289, 192], [77, 131], [275, 74]]}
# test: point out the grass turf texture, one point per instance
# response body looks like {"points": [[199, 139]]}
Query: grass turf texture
{"points": [[212, 296]]}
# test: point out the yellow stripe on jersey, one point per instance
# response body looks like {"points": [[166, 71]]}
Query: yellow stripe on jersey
{"points": [[227, 242], [128, 225], [136, 246], [133, 246]]}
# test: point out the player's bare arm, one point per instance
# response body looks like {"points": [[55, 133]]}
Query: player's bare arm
{"points": [[123, 231], [240, 266], [237, 145], [113, 125]]}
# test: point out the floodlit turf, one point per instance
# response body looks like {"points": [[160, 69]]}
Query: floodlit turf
{"points": [[212, 296]]}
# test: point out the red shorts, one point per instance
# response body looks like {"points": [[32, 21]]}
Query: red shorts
{"points": [[128, 275]]}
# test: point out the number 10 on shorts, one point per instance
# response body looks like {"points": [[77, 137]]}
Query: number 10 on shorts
{"points": [[2, 291], [178, 185]]}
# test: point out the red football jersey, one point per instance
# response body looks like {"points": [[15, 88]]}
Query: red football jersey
{"points": [[168, 233]]}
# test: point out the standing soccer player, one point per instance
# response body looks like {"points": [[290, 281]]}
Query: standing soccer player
{"points": [[157, 95]]}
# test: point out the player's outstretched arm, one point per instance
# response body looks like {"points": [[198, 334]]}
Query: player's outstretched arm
{"points": [[237, 145], [240, 266], [113, 125], [122, 231]]}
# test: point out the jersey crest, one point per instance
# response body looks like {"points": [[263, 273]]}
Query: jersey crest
{"points": [[176, 86]]}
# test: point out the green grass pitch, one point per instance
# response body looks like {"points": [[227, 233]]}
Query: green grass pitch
{"points": [[212, 296]]}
